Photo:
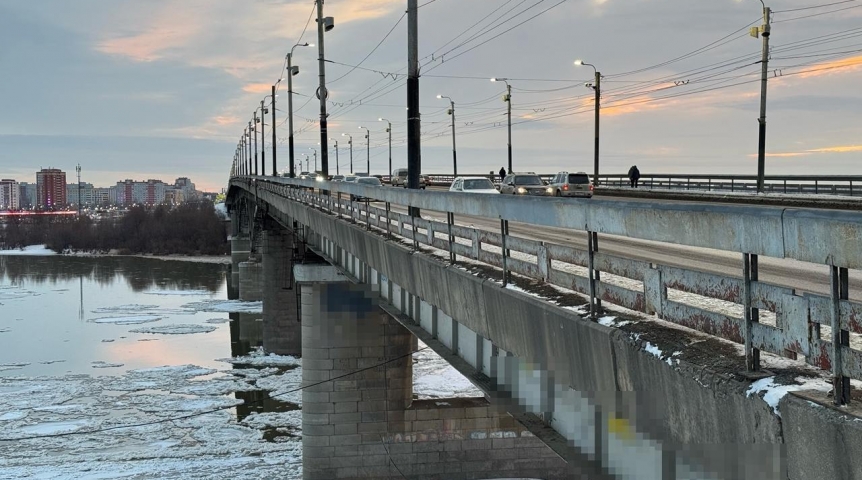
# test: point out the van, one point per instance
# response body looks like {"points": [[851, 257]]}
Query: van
{"points": [[399, 179]]}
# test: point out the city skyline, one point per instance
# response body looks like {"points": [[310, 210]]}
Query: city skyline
{"points": [[164, 89]]}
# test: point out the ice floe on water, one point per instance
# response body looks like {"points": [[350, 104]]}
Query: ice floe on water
{"points": [[181, 329], [129, 320], [143, 309], [218, 320], [14, 292], [180, 293], [226, 306], [101, 364], [175, 422], [257, 358], [12, 366]]}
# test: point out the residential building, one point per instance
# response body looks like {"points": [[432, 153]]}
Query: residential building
{"points": [[102, 196], [27, 195], [50, 188], [151, 192], [86, 193], [9, 195]]}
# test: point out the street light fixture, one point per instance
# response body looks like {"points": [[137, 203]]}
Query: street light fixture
{"points": [[368, 148], [389, 131], [454, 152], [598, 89], [291, 71], [315, 157], [508, 99]]}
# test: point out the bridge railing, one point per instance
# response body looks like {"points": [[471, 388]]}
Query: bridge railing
{"points": [[823, 330], [844, 185]]}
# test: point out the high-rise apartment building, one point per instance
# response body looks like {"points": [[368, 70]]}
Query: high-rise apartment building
{"points": [[151, 192], [9, 195], [27, 198], [50, 188]]}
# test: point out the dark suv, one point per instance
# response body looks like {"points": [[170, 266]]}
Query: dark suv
{"points": [[524, 184]]}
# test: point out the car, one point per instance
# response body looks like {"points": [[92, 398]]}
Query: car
{"points": [[565, 184], [399, 179], [473, 185], [524, 183], [365, 182], [304, 175], [350, 178], [338, 178]]}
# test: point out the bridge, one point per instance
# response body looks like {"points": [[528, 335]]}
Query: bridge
{"points": [[612, 338]]}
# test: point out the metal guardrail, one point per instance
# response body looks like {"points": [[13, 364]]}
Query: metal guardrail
{"points": [[845, 185], [816, 236]]}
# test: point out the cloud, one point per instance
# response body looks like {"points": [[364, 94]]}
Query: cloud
{"points": [[841, 149], [835, 67], [836, 149], [257, 88]]}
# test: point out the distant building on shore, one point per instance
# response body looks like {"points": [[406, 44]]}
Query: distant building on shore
{"points": [[131, 192], [27, 195], [9, 195], [50, 188]]}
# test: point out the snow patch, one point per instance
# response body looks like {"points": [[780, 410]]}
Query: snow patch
{"points": [[101, 364], [773, 392], [31, 250]]}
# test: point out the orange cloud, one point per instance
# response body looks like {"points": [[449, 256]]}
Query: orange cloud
{"points": [[226, 120], [257, 88], [834, 67], [169, 29], [841, 149]]}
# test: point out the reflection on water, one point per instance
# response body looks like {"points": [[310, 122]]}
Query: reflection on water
{"points": [[246, 335], [139, 273]]}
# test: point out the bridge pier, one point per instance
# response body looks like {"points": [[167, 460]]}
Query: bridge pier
{"points": [[359, 417], [281, 326], [240, 249], [251, 280]]}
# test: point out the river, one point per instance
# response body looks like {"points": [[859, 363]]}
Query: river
{"points": [[137, 368]]}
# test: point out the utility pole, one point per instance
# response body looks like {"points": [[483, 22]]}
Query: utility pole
{"points": [[454, 152], [315, 160], [78, 169], [389, 131], [596, 136], [350, 142], [764, 31], [254, 130], [508, 99], [336, 156], [414, 150], [323, 24], [291, 71], [274, 168], [263, 113], [368, 148]]}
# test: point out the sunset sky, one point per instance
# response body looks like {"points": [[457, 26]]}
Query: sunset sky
{"points": [[164, 88]]}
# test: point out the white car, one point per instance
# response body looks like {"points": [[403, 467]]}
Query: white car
{"points": [[473, 185]]}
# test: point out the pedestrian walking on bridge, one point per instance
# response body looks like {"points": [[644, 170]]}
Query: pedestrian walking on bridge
{"points": [[634, 176], [502, 174]]}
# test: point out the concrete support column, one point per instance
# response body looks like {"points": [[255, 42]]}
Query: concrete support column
{"points": [[251, 281], [358, 374], [240, 248], [281, 327]]}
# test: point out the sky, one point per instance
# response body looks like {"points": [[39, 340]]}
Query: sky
{"points": [[164, 88]]}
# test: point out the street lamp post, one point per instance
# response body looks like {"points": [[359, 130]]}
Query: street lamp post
{"points": [[764, 31], [306, 162], [291, 71], [350, 142], [454, 152], [324, 24], [254, 129], [598, 89], [508, 99], [336, 155], [368, 149], [315, 157], [389, 131]]}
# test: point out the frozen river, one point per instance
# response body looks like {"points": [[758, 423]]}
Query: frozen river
{"points": [[140, 369]]}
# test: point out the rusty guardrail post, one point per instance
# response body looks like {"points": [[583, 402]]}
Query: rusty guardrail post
{"points": [[592, 277], [450, 219], [840, 338], [750, 315], [504, 232]]}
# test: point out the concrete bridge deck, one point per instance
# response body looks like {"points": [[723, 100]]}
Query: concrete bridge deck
{"points": [[603, 391]]}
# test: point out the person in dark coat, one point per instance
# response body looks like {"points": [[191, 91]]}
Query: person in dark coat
{"points": [[502, 174], [634, 176]]}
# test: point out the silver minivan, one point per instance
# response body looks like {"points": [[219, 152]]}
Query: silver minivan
{"points": [[565, 184], [399, 179]]}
